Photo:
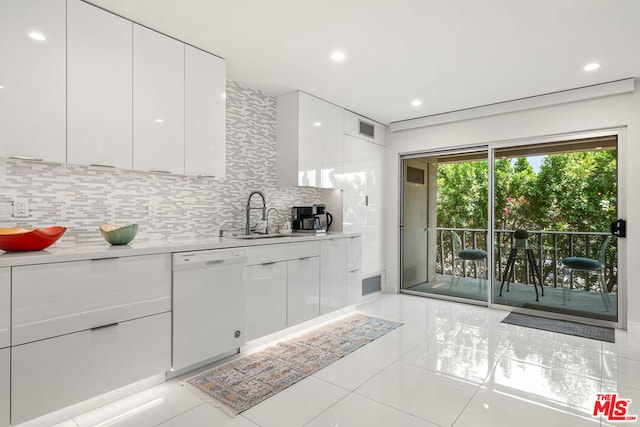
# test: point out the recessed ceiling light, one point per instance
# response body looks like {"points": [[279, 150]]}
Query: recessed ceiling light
{"points": [[591, 66], [1, 87], [37, 36], [416, 103], [338, 56], [159, 120], [317, 124]]}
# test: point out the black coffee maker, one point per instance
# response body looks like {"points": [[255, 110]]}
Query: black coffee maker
{"points": [[308, 219]]}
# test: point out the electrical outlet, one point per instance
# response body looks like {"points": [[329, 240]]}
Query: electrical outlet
{"points": [[152, 208], [20, 208]]}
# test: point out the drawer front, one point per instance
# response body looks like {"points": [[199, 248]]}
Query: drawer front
{"points": [[281, 252], [266, 299], [52, 374], [5, 307], [4, 387], [55, 299]]}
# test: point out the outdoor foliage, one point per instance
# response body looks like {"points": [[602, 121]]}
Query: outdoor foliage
{"points": [[571, 192]]}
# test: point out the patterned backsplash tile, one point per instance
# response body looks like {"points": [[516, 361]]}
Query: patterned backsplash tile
{"points": [[82, 197]]}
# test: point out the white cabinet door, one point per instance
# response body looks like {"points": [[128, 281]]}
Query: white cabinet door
{"points": [[205, 114], [5, 388], [158, 102], [309, 141], [75, 367], [5, 307], [362, 198], [99, 108], [303, 289], [333, 266], [266, 299], [33, 79], [354, 273], [320, 142]]}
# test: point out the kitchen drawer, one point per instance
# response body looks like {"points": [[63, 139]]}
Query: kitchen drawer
{"points": [[5, 307], [281, 252], [51, 374], [54, 299], [4, 387]]}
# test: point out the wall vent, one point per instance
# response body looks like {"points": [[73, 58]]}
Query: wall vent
{"points": [[367, 129]]}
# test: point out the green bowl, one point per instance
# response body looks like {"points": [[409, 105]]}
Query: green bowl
{"points": [[118, 235]]}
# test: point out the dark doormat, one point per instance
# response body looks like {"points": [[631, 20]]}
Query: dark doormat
{"points": [[572, 312], [562, 326]]}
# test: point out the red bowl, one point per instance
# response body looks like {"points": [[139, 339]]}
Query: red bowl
{"points": [[19, 239]]}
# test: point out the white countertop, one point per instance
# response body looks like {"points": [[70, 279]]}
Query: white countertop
{"points": [[61, 252]]}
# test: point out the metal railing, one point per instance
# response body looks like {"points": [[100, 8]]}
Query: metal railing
{"points": [[549, 247]]}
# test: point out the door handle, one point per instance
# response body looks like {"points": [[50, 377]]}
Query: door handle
{"points": [[619, 228]]}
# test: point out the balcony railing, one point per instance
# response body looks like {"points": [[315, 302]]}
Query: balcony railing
{"points": [[549, 247]]}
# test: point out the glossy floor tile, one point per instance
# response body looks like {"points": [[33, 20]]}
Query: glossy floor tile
{"points": [[450, 364], [358, 411], [296, 405]]}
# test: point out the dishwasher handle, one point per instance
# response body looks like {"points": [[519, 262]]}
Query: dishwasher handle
{"points": [[203, 259]]}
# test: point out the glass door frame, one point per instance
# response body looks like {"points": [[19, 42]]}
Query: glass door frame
{"points": [[491, 147]]}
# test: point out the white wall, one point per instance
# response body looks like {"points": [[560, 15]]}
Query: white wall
{"points": [[609, 112]]}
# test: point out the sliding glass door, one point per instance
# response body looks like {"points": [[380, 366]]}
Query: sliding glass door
{"points": [[527, 226], [562, 197], [444, 228]]}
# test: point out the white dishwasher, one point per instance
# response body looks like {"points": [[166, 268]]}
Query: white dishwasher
{"points": [[208, 304]]}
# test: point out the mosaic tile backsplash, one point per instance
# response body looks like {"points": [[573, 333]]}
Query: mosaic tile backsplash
{"points": [[83, 197]]}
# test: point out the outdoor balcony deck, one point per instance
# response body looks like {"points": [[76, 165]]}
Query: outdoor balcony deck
{"points": [[582, 303]]}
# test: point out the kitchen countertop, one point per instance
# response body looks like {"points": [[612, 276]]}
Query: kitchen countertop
{"points": [[63, 252]]}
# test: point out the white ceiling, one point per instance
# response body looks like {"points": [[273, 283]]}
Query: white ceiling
{"points": [[451, 54]]}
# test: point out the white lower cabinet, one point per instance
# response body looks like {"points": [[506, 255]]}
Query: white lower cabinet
{"points": [[5, 307], [61, 298], [282, 286], [51, 374], [333, 267], [5, 388], [354, 273], [266, 298], [303, 289]]}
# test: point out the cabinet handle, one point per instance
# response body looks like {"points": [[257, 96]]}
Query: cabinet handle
{"points": [[104, 326], [104, 259], [366, 200], [160, 171], [353, 271], [268, 263], [101, 165], [33, 159], [206, 176], [214, 262]]}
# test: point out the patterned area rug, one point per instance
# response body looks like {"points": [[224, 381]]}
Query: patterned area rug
{"points": [[562, 326], [247, 381]]}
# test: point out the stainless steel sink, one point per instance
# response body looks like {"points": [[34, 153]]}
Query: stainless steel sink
{"points": [[260, 236]]}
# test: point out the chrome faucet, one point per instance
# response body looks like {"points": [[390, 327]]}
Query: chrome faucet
{"points": [[268, 211], [249, 208]]}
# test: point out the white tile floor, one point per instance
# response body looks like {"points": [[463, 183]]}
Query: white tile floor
{"points": [[450, 364]]}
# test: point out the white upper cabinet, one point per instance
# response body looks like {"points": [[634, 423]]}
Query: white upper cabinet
{"points": [[363, 128], [309, 141], [205, 113], [99, 64], [33, 79], [158, 102]]}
